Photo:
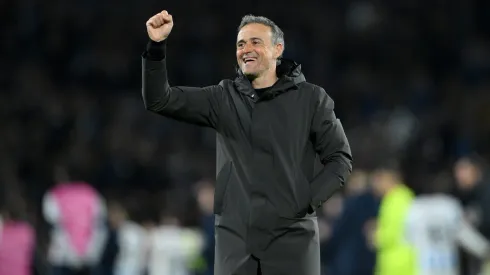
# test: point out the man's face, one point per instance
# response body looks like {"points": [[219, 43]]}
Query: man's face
{"points": [[255, 50]]}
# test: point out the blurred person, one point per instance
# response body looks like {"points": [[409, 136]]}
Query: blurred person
{"points": [[17, 242], [106, 264], [205, 199], [132, 240], [393, 254], [436, 227], [1, 222], [330, 210], [173, 248], [333, 207], [474, 192], [348, 241], [267, 190], [77, 214]]}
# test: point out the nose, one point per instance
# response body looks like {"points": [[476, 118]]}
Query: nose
{"points": [[248, 48]]}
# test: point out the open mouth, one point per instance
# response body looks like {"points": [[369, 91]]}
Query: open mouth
{"points": [[249, 60]]}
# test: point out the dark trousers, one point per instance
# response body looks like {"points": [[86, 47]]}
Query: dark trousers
{"points": [[295, 253]]}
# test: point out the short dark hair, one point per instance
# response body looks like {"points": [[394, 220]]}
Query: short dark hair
{"points": [[277, 34]]}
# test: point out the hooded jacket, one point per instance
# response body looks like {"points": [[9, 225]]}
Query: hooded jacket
{"points": [[267, 146]]}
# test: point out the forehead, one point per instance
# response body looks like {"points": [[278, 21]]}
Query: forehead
{"points": [[254, 30]]}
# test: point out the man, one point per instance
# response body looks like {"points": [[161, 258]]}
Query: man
{"points": [[435, 227], [393, 254], [271, 125]]}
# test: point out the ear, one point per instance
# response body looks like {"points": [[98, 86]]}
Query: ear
{"points": [[279, 49]]}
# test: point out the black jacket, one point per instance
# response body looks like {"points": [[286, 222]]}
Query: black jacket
{"points": [[266, 147]]}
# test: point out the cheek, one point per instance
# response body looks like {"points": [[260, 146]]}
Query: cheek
{"points": [[267, 55], [239, 54]]}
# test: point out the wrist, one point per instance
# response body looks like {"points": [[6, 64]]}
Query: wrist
{"points": [[156, 50]]}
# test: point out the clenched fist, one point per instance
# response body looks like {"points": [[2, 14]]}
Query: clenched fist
{"points": [[159, 26]]}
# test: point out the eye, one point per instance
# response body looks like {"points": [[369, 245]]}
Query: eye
{"points": [[239, 45], [256, 42]]}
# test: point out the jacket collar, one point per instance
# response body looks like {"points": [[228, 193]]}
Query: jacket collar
{"points": [[288, 72]]}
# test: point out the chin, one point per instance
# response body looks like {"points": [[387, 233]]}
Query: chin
{"points": [[250, 74]]}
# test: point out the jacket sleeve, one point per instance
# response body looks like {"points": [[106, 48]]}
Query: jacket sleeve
{"points": [[330, 142], [193, 105]]}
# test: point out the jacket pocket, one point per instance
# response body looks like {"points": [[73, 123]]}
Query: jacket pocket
{"points": [[221, 185], [303, 195]]}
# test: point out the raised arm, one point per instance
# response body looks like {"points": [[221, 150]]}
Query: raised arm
{"points": [[194, 105], [330, 141]]}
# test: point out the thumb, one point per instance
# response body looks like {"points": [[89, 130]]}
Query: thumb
{"points": [[150, 23]]}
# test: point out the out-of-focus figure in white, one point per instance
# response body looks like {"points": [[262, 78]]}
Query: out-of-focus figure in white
{"points": [[174, 248], [133, 243], [436, 227]]}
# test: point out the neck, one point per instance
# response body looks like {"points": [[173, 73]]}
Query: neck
{"points": [[265, 80]]}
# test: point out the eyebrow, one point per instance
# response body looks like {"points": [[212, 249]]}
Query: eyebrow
{"points": [[252, 38]]}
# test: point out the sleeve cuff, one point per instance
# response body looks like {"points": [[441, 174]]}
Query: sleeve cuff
{"points": [[155, 51]]}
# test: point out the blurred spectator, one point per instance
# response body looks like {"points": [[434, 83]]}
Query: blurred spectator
{"points": [[474, 189], [205, 198], [394, 255], [132, 240], [348, 239], [17, 241], [330, 211], [174, 248], [77, 214], [436, 227]]}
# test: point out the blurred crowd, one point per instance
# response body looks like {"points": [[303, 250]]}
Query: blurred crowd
{"points": [[410, 80], [85, 233]]}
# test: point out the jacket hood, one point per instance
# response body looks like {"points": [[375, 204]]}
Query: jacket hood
{"points": [[288, 72]]}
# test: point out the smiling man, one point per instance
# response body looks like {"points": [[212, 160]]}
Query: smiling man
{"points": [[273, 128]]}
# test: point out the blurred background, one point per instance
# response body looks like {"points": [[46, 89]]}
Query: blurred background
{"points": [[410, 80]]}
